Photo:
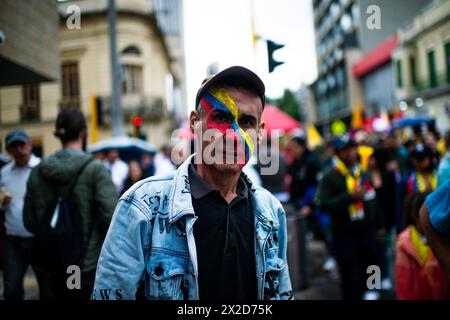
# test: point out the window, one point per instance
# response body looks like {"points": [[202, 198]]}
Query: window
{"points": [[432, 69], [70, 85], [31, 105], [447, 62], [399, 74], [412, 65], [133, 80], [131, 50]]}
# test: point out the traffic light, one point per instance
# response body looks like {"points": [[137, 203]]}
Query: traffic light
{"points": [[136, 130], [271, 48]]}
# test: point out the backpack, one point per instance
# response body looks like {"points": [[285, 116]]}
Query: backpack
{"points": [[59, 236]]}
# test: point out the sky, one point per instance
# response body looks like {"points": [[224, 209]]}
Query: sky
{"points": [[220, 31]]}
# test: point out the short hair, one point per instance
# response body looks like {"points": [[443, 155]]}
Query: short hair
{"points": [[69, 123]]}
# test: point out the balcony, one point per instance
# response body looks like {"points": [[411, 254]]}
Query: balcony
{"points": [[429, 88], [148, 108]]}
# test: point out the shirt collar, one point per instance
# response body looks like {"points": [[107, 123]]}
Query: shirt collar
{"points": [[200, 188], [34, 161]]}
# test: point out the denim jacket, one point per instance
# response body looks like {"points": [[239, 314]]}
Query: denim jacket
{"points": [[150, 252]]}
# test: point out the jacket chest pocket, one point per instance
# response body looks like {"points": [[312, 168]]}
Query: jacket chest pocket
{"points": [[166, 276]]}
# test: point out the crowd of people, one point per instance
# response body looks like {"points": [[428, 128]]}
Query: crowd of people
{"points": [[361, 194]]}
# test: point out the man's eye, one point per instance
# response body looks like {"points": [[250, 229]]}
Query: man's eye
{"points": [[246, 122], [220, 118]]}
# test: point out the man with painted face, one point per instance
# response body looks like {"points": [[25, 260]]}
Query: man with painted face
{"points": [[204, 231]]}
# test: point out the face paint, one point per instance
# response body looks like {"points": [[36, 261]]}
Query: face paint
{"points": [[219, 99]]}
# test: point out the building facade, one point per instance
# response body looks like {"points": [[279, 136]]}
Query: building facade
{"points": [[29, 61], [349, 33], [147, 80], [422, 64], [378, 40], [335, 91]]}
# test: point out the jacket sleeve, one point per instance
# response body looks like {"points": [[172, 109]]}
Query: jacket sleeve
{"points": [[122, 258], [105, 197], [285, 286]]}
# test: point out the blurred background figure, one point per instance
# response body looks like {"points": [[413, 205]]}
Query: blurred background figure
{"points": [[163, 161], [75, 175], [117, 168], [19, 242], [99, 155], [3, 193], [303, 170], [423, 178], [275, 183], [350, 200], [418, 275], [147, 163], [135, 174]]}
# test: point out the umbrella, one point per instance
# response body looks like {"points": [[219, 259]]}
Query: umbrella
{"points": [[411, 122], [278, 119], [129, 148]]}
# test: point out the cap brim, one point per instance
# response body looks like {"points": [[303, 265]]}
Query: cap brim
{"points": [[235, 71], [15, 139]]}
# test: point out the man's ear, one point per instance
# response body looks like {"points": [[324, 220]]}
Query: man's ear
{"points": [[194, 118], [260, 132]]}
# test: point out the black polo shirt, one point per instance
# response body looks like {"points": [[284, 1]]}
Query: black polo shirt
{"points": [[224, 236]]}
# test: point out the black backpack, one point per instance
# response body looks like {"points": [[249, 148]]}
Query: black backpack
{"points": [[59, 235]]}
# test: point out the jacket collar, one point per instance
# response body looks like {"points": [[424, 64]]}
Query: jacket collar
{"points": [[180, 194], [180, 203]]}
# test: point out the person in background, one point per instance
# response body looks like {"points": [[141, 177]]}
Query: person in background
{"points": [[136, 173], [423, 178], [3, 193], [435, 223], [383, 181], [147, 164], [19, 241], [99, 155], [350, 200], [417, 272], [443, 172], [430, 140], [275, 183], [117, 168], [303, 170], [163, 161], [93, 195]]}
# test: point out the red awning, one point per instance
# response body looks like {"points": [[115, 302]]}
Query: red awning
{"points": [[275, 118], [375, 58]]}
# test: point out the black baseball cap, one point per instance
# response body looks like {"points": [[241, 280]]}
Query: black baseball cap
{"points": [[421, 151], [233, 72], [342, 142]]}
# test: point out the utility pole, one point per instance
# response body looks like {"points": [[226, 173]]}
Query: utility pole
{"points": [[117, 117]]}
